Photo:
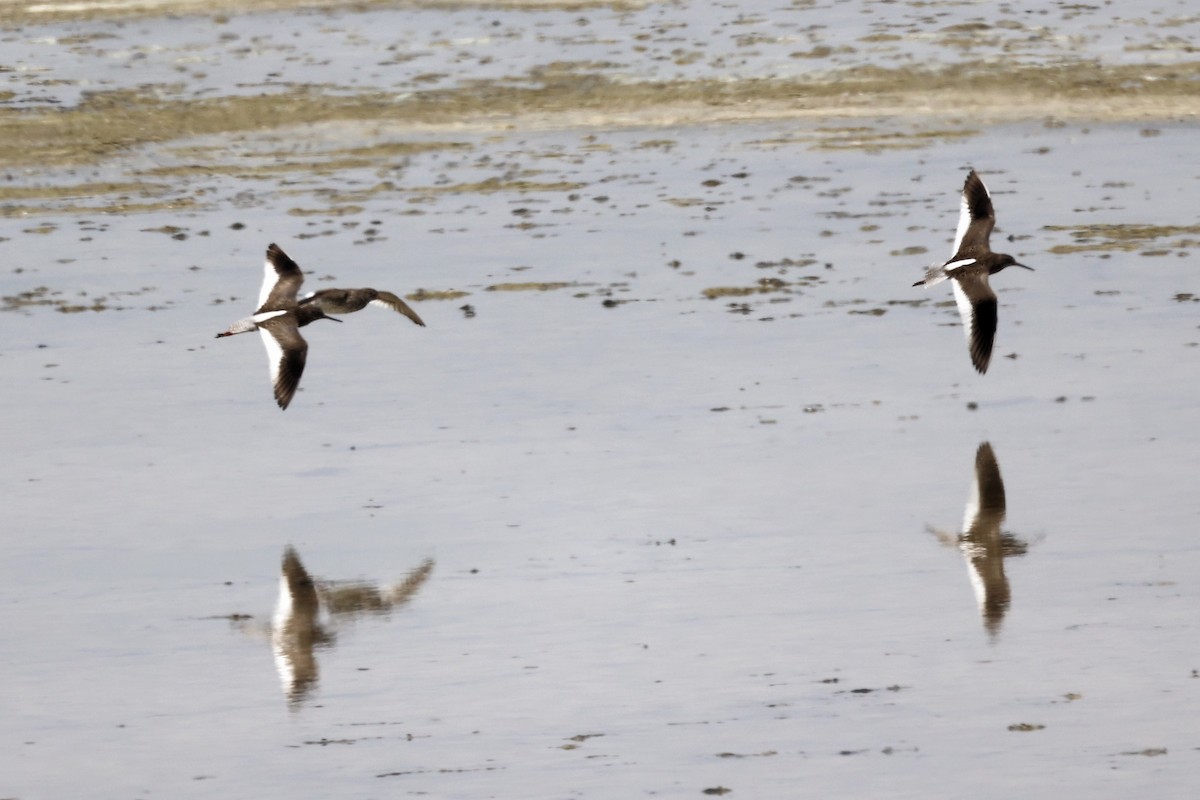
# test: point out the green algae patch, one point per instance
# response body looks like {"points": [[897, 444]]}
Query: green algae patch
{"points": [[715, 292], [39, 296], [975, 87], [110, 122], [764, 286], [206, 161], [332, 211], [27, 12], [10, 193], [117, 208], [108, 197], [532, 286], [492, 185], [45, 297], [105, 123], [871, 140], [1121, 237], [444, 294]]}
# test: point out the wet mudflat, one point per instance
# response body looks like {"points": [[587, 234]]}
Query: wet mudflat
{"points": [[669, 496]]}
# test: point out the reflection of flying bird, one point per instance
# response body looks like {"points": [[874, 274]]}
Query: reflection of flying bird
{"points": [[296, 629], [308, 611], [968, 270], [280, 316], [982, 542]]}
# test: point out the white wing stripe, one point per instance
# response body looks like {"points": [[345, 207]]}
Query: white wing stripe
{"points": [[971, 512], [270, 278], [965, 310], [964, 217], [964, 222], [274, 354], [266, 315]]}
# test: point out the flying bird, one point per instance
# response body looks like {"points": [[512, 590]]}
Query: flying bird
{"points": [[346, 301], [968, 270], [280, 316]]}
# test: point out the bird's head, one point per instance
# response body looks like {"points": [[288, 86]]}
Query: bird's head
{"points": [[310, 312], [1008, 261]]}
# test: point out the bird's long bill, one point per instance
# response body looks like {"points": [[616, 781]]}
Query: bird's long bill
{"points": [[1031, 269]]}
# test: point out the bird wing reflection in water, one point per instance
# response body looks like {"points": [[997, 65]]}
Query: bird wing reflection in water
{"points": [[308, 612], [982, 542], [296, 629]]}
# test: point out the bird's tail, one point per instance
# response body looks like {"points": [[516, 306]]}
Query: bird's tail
{"points": [[934, 274], [241, 326]]}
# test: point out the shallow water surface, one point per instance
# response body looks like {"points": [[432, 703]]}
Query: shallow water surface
{"points": [[668, 497]]}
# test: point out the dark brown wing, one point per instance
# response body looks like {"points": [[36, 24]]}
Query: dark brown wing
{"points": [[337, 301], [989, 482], [975, 221], [281, 281], [286, 354], [389, 300], [300, 586], [977, 307]]}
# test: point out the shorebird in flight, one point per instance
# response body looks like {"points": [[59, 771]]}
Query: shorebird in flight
{"points": [[968, 269], [280, 316]]}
